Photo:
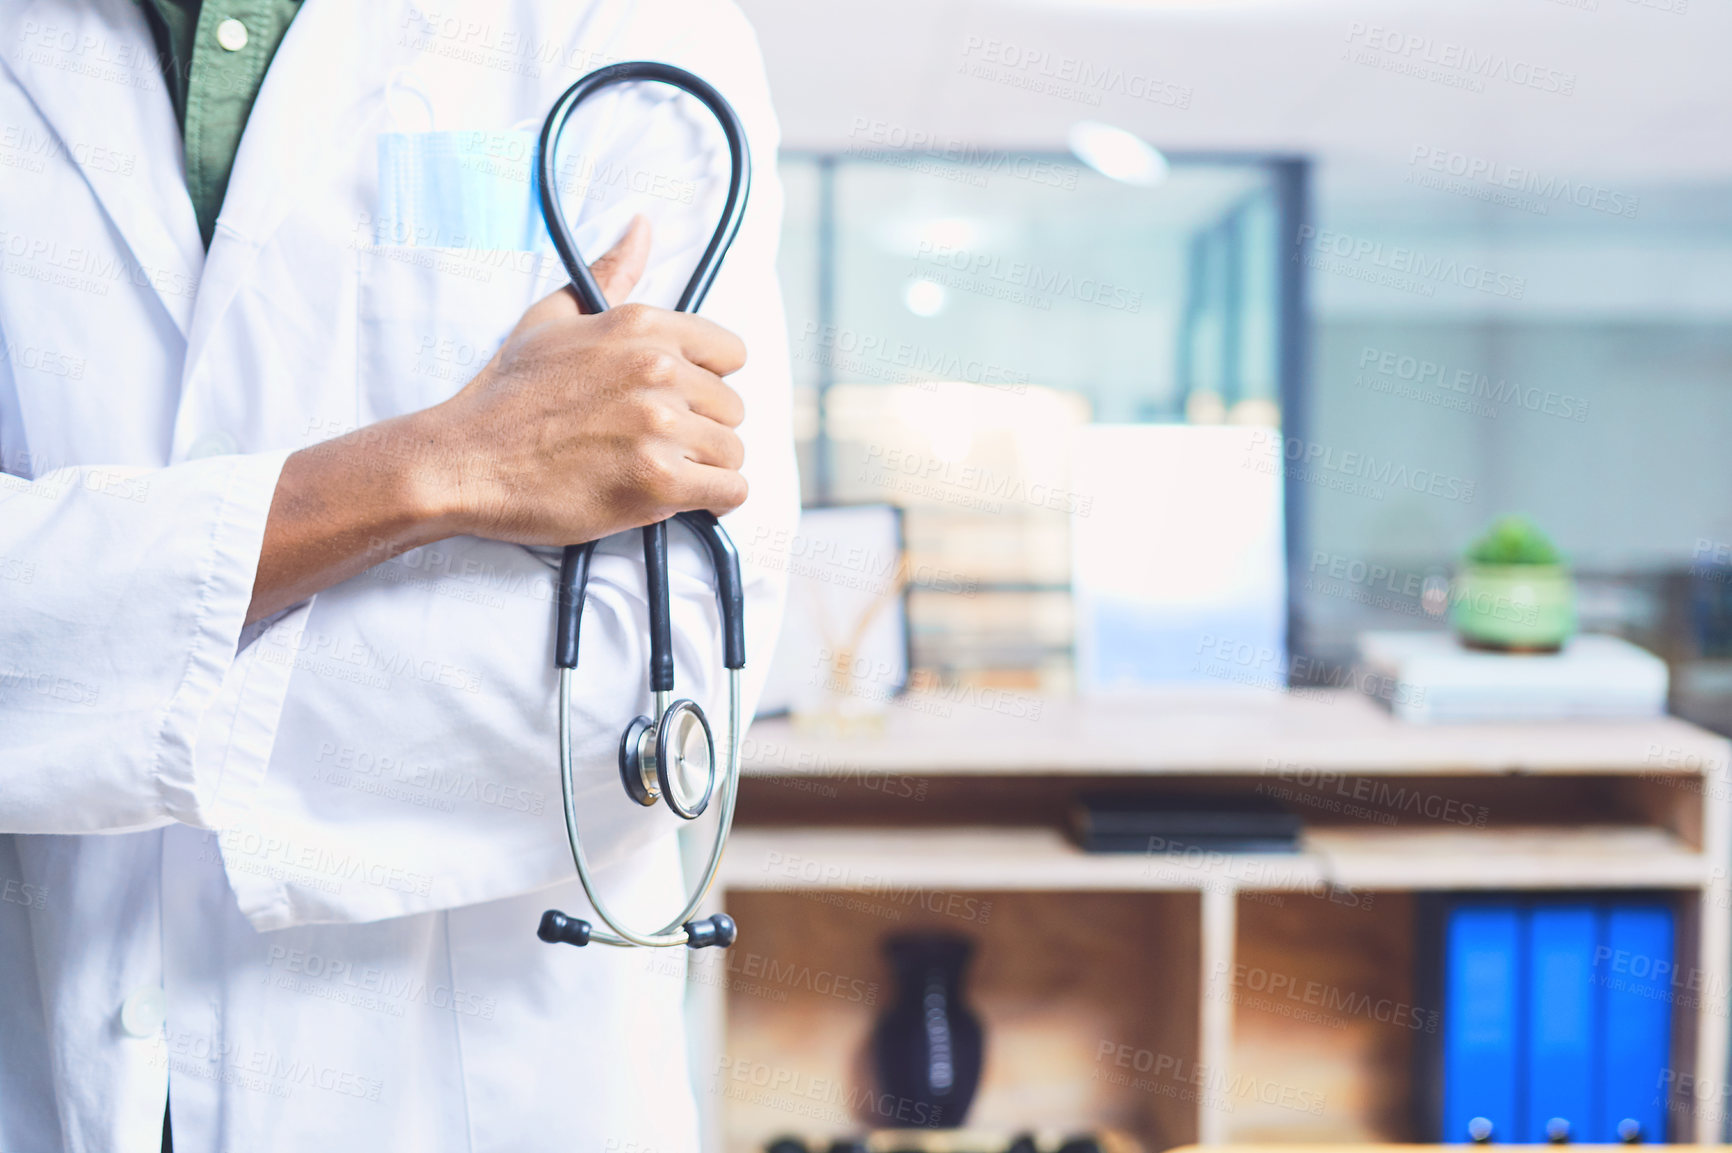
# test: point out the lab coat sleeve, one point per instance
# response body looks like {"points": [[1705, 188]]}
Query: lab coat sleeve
{"points": [[416, 764], [123, 592]]}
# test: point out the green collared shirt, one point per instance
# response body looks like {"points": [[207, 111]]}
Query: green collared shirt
{"points": [[214, 55]]}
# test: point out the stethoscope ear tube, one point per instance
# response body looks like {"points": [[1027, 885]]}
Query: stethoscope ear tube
{"points": [[733, 209], [573, 581], [730, 593]]}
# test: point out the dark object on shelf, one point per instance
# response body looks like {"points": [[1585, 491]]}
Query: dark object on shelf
{"points": [[1131, 823], [786, 1145], [1080, 1145], [849, 1145], [927, 1045], [1023, 1143]]}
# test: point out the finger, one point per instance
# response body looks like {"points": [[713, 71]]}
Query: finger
{"points": [[555, 306], [707, 442], [718, 490], [709, 395], [706, 343], [618, 270], [616, 273]]}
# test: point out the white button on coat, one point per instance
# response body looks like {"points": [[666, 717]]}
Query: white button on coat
{"points": [[232, 34], [351, 962], [144, 1012]]}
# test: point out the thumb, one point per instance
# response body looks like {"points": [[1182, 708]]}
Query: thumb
{"points": [[618, 270]]}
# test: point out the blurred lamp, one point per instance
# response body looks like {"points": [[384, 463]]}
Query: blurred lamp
{"points": [[924, 297], [1117, 154]]}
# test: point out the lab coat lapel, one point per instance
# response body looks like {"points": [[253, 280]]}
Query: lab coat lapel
{"points": [[317, 97], [91, 69]]}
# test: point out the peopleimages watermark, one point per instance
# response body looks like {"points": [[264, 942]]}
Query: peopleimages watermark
{"points": [[891, 360], [803, 769], [760, 975], [16, 892], [369, 987], [848, 565], [417, 783], [1448, 62], [951, 158], [1383, 586], [46, 259], [1116, 1063], [39, 358], [314, 866], [1432, 382], [1398, 266], [797, 873], [1712, 561], [1248, 874], [1348, 470], [1684, 1092], [230, 1062], [850, 674], [1318, 1002], [456, 35], [1261, 665], [825, 1099], [1021, 281], [1377, 585], [1064, 77], [1660, 978], [1378, 799], [1497, 182], [973, 486], [30, 151]]}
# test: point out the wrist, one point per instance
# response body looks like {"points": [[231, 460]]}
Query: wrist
{"points": [[433, 483]]}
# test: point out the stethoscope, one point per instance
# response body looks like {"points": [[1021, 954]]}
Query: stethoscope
{"points": [[671, 755]]}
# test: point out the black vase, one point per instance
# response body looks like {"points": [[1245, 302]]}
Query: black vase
{"points": [[927, 1045]]}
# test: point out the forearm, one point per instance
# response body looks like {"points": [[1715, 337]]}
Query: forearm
{"points": [[348, 504]]}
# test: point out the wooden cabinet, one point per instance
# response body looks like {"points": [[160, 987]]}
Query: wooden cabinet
{"points": [[1181, 996]]}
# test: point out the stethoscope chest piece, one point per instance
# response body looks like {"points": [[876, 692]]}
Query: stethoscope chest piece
{"points": [[674, 760]]}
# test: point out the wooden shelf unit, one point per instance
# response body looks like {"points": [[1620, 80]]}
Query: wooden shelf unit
{"points": [[1168, 957]]}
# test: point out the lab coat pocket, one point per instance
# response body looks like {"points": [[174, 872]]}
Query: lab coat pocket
{"points": [[431, 318]]}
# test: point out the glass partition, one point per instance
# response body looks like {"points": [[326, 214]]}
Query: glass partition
{"points": [[954, 321]]}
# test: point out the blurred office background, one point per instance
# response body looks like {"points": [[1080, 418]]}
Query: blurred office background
{"points": [[1488, 271], [1247, 318]]}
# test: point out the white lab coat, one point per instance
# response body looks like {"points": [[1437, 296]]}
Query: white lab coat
{"points": [[325, 844]]}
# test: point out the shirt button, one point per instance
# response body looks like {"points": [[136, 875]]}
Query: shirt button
{"points": [[232, 34], [144, 1012], [214, 443]]}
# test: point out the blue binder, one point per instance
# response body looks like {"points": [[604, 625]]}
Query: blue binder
{"points": [[1557, 1011], [1482, 995], [1561, 1028], [1634, 972]]}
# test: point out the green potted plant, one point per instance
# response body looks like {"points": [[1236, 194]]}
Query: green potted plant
{"points": [[1514, 592]]}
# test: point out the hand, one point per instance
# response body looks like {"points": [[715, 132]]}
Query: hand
{"points": [[584, 426], [581, 426]]}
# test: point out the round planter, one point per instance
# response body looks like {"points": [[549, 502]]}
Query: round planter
{"points": [[1519, 607]]}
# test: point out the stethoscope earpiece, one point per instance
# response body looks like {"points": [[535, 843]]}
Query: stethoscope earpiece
{"points": [[672, 755], [715, 931]]}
